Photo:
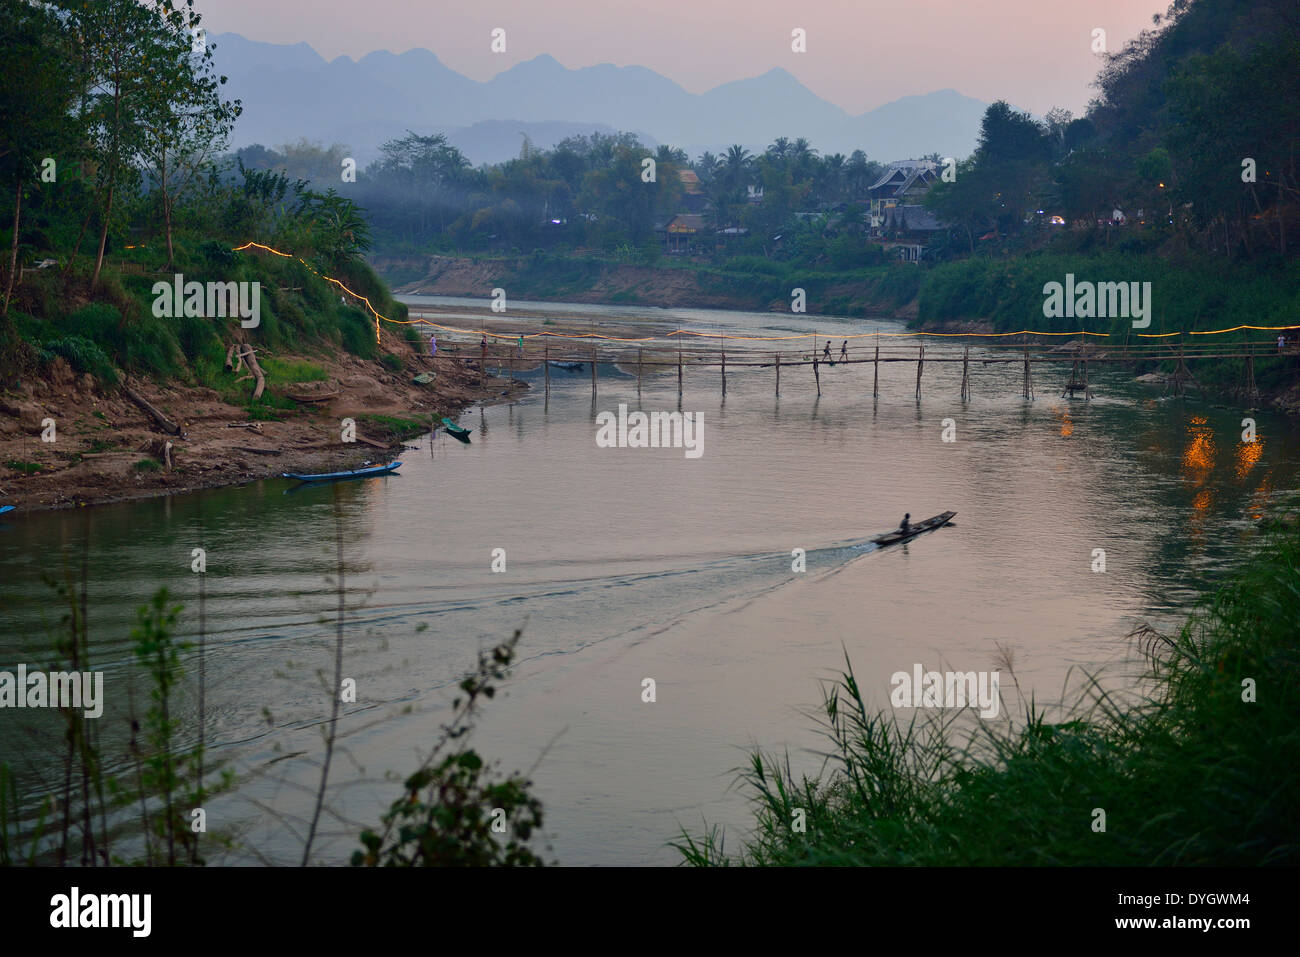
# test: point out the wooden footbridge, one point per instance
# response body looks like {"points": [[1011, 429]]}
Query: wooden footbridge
{"points": [[1035, 359]]}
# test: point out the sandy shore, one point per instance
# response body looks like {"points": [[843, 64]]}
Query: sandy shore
{"points": [[105, 449]]}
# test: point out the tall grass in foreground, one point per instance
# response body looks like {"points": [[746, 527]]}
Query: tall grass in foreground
{"points": [[1194, 774]]}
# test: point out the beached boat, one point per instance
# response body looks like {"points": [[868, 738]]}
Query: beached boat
{"points": [[567, 366], [455, 429], [916, 528], [6, 508], [354, 473]]}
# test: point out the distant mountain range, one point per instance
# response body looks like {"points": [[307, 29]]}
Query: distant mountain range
{"points": [[291, 91]]}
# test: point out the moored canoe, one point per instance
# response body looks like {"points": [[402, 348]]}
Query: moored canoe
{"points": [[354, 473]]}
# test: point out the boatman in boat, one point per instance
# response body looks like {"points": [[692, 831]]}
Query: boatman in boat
{"points": [[905, 525]]}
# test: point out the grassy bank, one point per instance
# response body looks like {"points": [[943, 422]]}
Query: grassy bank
{"points": [[1206, 771], [742, 282], [114, 327]]}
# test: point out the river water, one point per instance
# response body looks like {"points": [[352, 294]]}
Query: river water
{"points": [[623, 564]]}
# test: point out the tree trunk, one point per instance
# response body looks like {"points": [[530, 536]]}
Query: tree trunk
{"points": [[1282, 224], [160, 420], [167, 211], [76, 248], [13, 252], [103, 237]]}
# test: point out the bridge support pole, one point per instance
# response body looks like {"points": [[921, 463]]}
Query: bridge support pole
{"points": [[778, 375], [1252, 391], [724, 374], [640, 352], [593, 372], [875, 374], [546, 368], [679, 372], [817, 375], [920, 365], [965, 375], [1029, 379]]}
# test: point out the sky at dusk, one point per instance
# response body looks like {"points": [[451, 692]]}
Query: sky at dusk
{"points": [[860, 53]]}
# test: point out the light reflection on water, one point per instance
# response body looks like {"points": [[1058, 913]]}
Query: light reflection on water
{"points": [[631, 563]]}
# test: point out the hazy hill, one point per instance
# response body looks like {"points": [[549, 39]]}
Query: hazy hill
{"points": [[290, 91]]}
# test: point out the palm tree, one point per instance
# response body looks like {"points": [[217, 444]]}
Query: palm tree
{"points": [[801, 157], [706, 166], [833, 169], [737, 167], [673, 155]]}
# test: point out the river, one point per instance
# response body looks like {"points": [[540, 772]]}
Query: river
{"points": [[623, 564]]}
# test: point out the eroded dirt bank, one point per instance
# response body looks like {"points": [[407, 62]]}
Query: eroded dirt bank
{"points": [[106, 449]]}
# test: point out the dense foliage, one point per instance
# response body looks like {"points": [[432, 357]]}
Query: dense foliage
{"points": [[112, 132]]}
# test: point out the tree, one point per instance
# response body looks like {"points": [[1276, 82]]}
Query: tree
{"points": [[37, 64], [188, 123], [706, 167], [736, 168], [134, 76]]}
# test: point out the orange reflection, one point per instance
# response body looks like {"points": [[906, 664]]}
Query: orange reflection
{"points": [[1198, 457], [1067, 426], [1259, 499], [1248, 454]]}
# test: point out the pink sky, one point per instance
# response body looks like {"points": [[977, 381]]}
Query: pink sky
{"points": [[861, 53]]}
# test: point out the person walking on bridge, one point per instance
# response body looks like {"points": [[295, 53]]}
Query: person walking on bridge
{"points": [[844, 350], [826, 353]]}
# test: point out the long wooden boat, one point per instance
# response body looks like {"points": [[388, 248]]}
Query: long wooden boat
{"points": [[354, 473], [567, 366], [455, 429], [916, 528]]}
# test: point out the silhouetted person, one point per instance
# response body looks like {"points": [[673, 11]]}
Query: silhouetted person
{"points": [[826, 353], [905, 525], [844, 349]]}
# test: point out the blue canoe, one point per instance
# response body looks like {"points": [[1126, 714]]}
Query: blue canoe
{"points": [[6, 508], [355, 473]]}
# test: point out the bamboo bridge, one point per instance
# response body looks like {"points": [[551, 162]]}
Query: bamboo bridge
{"points": [[1079, 355]]}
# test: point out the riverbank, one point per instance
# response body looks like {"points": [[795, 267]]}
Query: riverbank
{"points": [[105, 448], [966, 297], [747, 283], [1194, 774]]}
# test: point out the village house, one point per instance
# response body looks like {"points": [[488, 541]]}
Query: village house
{"points": [[903, 184], [682, 233]]}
